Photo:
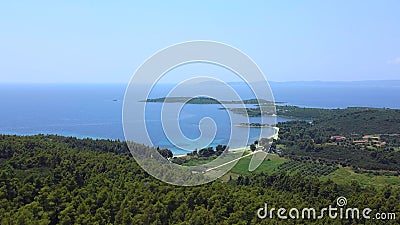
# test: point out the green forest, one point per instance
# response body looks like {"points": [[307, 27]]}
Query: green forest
{"points": [[48, 179], [353, 152], [368, 138]]}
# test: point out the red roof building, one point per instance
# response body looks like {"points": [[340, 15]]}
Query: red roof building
{"points": [[338, 138]]}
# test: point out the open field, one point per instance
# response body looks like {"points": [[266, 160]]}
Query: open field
{"points": [[345, 175], [231, 155], [197, 162], [270, 164]]}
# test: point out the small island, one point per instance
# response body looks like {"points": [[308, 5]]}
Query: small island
{"points": [[208, 100]]}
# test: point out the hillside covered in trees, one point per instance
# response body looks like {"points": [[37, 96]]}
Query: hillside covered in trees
{"points": [[364, 138], [64, 180]]}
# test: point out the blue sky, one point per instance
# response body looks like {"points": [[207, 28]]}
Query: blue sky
{"points": [[105, 41]]}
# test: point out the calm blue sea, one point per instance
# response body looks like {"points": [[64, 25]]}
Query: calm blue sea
{"points": [[95, 110]]}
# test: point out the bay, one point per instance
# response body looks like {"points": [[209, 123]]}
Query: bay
{"points": [[95, 110]]}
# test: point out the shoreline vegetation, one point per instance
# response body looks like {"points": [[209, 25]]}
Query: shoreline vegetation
{"points": [[260, 125]]}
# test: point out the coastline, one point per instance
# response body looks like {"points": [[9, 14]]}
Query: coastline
{"points": [[275, 136]]}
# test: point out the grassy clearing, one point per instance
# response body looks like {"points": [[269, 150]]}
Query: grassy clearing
{"points": [[340, 176], [346, 175], [272, 162], [197, 162], [269, 165]]}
